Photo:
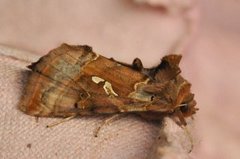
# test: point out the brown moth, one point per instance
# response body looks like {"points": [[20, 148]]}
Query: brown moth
{"points": [[73, 80]]}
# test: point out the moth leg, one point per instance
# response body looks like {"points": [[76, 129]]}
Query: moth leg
{"points": [[180, 116], [107, 121], [189, 137], [183, 124], [61, 121]]}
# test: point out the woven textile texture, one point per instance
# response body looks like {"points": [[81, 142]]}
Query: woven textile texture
{"points": [[23, 136], [120, 29]]}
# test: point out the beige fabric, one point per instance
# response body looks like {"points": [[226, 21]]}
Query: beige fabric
{"points": [[125, 30], [131, 136], [120, 29], [23, 137]]}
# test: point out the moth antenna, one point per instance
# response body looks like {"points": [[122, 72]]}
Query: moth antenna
{"points": [[61, 121], [189, 137], [184, 126], [107, 121], [182, 105]]}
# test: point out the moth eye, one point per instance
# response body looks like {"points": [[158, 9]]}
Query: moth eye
{"points": [[184, 108]]}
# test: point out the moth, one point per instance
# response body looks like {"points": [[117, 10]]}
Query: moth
{"points": [[74, 80]]}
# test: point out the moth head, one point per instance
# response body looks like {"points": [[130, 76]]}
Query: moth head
{"points": [[175, 88], [177, 94], [170, 88]]}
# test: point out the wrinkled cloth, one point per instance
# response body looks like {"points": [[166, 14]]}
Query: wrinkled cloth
{"points": [[21, 134], [125, 29], [120, 29], [23, 137]]}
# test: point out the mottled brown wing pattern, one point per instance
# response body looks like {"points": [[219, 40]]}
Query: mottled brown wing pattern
{"points": [[73, 80]]}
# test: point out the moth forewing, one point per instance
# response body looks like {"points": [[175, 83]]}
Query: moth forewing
{"points": [[73, 80]]}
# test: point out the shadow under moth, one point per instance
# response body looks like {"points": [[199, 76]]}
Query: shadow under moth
{"points": [[73, 80]]}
